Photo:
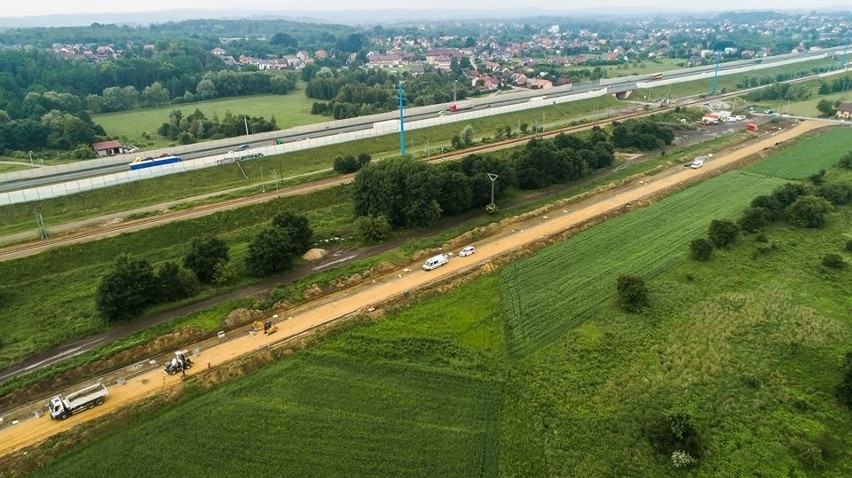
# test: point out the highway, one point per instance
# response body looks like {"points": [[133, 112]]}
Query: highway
{"points": [[46, 176]]}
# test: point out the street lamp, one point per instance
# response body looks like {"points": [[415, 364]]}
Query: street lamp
{"points": [[31, 158]]}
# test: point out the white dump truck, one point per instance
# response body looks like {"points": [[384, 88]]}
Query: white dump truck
{"points": [[62, 407]]}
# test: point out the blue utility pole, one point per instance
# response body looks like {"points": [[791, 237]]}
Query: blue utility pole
{"points": [[718, 55], [401, 95]]}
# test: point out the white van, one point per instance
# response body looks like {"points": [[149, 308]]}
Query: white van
{"points": [[435, 262]]}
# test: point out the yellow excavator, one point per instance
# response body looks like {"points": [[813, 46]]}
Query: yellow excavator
{"points": [[267, 327]]}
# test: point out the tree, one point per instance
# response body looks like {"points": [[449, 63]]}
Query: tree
{"points": [[824, 89], [456, 142], [701, 249], [825, 107], [808, 211], [632, 293], [372, 229], [206, 89], [723, 233], [126, 290], [297, 227], [467, 135], [175, 282], [203, 255], [271, 251]]}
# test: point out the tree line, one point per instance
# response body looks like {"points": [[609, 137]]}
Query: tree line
{"points": [[409, 193], [195, 126], [133, 285]]}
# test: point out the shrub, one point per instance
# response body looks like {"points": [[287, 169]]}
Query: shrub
{"points": [[372, 229], [203, 255], [632, 293], [844, 389], [836, 193], [701, 249], [846, 161], [849, 245], [808, 211], [833, 261], [224, 273], [682, 459], [175, 282], [755, 218], [723, 233], [346, 164]]}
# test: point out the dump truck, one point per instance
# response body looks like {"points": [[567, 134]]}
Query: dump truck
{"points": [[62, 407]]}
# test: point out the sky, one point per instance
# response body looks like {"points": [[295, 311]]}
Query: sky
{"points": [[48, 7]]}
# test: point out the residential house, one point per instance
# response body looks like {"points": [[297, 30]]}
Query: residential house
{"points": [[108, 148], [218, 51], [844, 110]]}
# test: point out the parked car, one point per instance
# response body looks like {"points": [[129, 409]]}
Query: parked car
{"points": [[467, 251]]}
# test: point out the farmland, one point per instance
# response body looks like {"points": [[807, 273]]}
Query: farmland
{"points": [[389, 399], [748, 345], [581, 271], [809, 155]]}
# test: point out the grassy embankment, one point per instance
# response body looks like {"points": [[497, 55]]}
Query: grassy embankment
{"points": [[19, 217], [749, 343]]}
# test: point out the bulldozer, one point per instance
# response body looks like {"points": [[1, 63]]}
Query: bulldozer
{"points": [[267, 327]]}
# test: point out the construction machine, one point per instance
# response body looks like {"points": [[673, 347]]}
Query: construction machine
{"points": [[267, 327], [178, 364]]}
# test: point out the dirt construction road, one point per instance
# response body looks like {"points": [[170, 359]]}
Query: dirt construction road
{"points": [[341, 304]]}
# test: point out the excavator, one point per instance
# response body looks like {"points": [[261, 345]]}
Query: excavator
{"points": [[267, 327]]}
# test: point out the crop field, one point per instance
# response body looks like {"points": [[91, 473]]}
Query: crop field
{"points": [[409, 396], [808, 155], [581, 271], [292, 109], [751, 348], [58, 286], [19, 217]]}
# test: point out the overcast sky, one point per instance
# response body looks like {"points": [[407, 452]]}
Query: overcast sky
{"points": [[13, 8]]}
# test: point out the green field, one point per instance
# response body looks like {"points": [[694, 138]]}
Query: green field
{"points": [[413, 396], [293, 109], [749, 344], [9, 167], [810, 154]]}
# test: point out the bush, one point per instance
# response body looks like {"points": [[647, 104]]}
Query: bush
{"points": [[836, 193], [632, 293], [846, 161], [175, 282], [844, 389], [833, 261], [372, 229], [849, 245], [224, 273], [701, 249], [808, 211], [346, 164], [682, 459], [723, 233], [755, 218], [126, 290]]}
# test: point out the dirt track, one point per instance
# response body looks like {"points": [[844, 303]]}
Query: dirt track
{"points": [[350, 301]]}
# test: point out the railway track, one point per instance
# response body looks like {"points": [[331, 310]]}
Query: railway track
{"points": [[110, 230]]}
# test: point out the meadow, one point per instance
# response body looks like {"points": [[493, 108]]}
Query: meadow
{"points": [[810, 154], [747, 344], [292, 109]]}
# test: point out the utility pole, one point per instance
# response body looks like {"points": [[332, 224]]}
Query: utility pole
{"points": [[493, 177], [245, 120], [455, 82], [42, 231], [401, 96], [262, 185]]}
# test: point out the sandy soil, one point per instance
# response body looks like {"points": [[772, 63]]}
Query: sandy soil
{"points": [[360, 298]]}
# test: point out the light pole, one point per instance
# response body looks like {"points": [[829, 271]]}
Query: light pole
{"points": [[31, 158], [401, 96]]}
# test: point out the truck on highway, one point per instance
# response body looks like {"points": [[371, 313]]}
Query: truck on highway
{"points": [[461, 106], [62, 407], [140, 163]]}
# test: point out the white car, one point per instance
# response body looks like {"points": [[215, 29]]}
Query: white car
{"points": [[467, 251]]}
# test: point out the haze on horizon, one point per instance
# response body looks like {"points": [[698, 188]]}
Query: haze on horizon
{"points": [[53, 7]]}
